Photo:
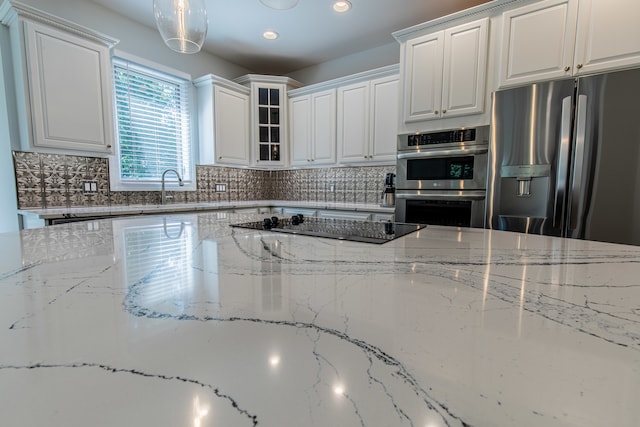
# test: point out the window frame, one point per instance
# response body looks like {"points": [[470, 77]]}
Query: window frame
{"points": [[115, 171]]}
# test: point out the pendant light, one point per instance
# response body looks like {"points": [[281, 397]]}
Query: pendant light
{"points": [[182, 23], [279, 4]]}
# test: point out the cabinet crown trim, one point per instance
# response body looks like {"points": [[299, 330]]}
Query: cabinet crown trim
{"points": [[212, 79], [10, 10], [389, 70], [482, 10], [260, 78]]}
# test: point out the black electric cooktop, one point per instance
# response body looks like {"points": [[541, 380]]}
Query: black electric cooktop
{"points": [[342, 229]]}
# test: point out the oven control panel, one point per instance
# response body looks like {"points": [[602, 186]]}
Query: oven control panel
{"points": [[446, 138], [464, 135]]}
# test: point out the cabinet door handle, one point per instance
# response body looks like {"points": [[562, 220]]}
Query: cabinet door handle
{"points": [[579, 66], [567, 68], [444, 111]]}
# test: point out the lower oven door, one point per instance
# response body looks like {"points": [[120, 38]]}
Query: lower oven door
{"points": [[446, 207]]}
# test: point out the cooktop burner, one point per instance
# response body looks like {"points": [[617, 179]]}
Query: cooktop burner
{"points": [[342, 229]]}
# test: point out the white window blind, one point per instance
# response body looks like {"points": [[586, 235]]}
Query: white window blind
{"points": [[153, 123]]}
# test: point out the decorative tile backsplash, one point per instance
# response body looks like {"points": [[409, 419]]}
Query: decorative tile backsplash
{"points": [[56, 181]]}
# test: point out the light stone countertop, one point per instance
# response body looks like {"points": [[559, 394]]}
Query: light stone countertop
{"points": [[182, 320], [83, 212]]}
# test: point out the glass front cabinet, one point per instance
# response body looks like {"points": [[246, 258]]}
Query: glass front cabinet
{"points": [[269, 138], [269, 126]]}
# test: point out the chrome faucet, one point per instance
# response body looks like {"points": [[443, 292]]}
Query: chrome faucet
{"points": [[163, 199]]}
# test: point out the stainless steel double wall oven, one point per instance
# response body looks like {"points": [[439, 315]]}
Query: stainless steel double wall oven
{"points": [[442, 177]]}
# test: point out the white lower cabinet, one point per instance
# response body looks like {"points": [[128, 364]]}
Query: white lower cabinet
{"points": [[368, 121], [295, 211], [257, 210], [361, 216], [383, 217]]}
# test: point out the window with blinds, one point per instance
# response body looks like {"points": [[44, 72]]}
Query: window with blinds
{"points": [[153, 123]]}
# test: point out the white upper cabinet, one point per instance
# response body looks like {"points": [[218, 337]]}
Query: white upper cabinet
{"points": [[423, 77], [562, 38], [384, 100], [313, 128], [300, 129], [353, 123], [444, 72], [464, 69], [223, 121], [608, 35], [368, 121], [63, 78], [538, 42]]}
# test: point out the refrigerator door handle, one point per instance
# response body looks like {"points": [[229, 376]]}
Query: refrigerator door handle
{"points": [[563, 161], [578, 162]]}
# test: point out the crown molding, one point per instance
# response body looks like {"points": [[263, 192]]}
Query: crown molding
{"points": [[212, 79], [11, 10], [482, 10], [387, 71]]}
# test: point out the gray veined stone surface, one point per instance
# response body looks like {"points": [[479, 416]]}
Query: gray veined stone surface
{"points": [[184, 320]]}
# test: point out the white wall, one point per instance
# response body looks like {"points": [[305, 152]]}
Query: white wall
{"points": [[8, 197], [137, 39], [388, 54]]}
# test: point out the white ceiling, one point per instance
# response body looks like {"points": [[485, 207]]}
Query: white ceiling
{"points": [[310, 33]]}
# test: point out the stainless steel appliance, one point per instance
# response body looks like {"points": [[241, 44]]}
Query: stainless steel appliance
{"points": [[442, 177], [565, 156], [388, 196], [332, 228]]}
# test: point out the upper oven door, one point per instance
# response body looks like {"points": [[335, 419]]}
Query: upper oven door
{"points": [[450, 169]]}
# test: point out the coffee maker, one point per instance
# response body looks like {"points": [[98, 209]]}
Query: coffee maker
{"points": [[388, 198]]}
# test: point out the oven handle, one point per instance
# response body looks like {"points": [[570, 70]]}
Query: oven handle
{"points": [[443, 195], [443, 153]]}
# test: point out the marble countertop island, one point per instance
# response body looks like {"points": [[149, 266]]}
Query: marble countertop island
{"points": [[182, 320]]}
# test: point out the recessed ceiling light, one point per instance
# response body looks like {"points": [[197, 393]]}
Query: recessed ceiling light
{"points": [[341, 6], [279, 4], [270, 35]]}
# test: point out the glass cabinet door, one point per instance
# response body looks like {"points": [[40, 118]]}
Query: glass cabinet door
{"points": [[269, 118]]}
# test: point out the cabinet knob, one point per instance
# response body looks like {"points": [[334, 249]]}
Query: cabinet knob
{"points": [[435, 112], [444, 111], [109, 146], [567, 68], [579, 66], [219, 157]]}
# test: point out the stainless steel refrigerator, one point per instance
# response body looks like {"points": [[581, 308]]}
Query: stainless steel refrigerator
{"points": [[564, 158]]}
